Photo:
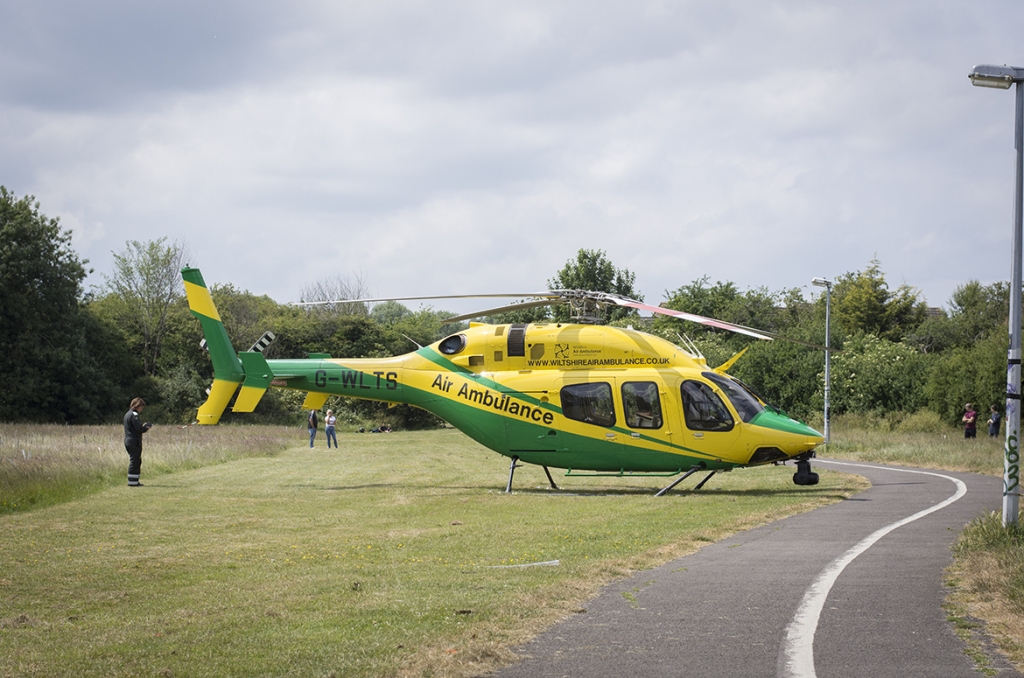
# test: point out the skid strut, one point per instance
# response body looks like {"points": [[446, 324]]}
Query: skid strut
{"points": [[511, 472], [706, 478], [550, 480], [680, 479]]}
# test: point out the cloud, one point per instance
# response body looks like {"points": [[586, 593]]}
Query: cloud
{"points": [[454, 147]]}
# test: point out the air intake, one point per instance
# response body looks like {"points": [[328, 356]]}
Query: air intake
{"points": [[517, 341], [764, 455]]}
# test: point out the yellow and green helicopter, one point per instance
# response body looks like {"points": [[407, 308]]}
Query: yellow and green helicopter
{"points": [[590, 399]]}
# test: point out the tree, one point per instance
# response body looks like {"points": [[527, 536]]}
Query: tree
{"points": [[50, 344], [862, 302], [785, 374], [145, 285], [968, 374], [328, 292], [246, 316], [592, 270], [978, 310], [389, 312], [936, 334], [757, 308], [877, 375]]}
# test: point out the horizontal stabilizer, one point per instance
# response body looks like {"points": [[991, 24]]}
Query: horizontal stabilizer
{"points": [[257, 380]]}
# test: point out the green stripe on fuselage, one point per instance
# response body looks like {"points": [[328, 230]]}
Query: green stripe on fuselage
{"points": [[442, 362], [779, 422]]}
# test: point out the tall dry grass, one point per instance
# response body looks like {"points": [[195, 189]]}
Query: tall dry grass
{"points": [[42, 465], [922, 440], [987, 580]]}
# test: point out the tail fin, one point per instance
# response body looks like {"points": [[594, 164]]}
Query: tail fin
{"points": [[227, 368]]}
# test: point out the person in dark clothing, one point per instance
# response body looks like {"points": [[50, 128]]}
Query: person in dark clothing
{"points": [[993, 422], [133, 430], [311, 423]]}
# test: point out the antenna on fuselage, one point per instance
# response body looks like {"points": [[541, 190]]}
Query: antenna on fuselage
{"points": [[689, 347]]}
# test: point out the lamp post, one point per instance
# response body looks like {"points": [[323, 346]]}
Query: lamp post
{"points": [[827, 284], [1001, 77]]}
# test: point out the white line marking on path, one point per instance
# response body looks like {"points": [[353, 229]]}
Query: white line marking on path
{"points": [[798, 645]]}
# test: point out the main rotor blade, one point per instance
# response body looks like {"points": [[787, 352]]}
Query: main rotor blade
{"points": [[546, 295], [503, 309], [712, 322], [692, 317], [555, 297]]}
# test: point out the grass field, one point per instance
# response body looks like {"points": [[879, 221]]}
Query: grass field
{"points": [[399, 555]]}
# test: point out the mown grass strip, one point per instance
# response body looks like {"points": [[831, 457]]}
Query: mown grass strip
{"points": [[375, 560]]}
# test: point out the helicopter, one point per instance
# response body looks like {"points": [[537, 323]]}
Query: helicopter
{"points": [[590, 399]]}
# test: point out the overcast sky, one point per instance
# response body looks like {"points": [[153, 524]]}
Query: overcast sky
{"points": [[460, 147]]}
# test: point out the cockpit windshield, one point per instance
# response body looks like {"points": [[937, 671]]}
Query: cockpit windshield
{"points": [[747, 406], [768, 406]]}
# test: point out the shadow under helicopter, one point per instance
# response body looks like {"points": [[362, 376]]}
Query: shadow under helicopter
{"points": [[540, 490]]}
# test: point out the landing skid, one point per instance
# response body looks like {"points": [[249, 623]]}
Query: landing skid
{"points": [[512, 470], [804, 475], [515, 464]]}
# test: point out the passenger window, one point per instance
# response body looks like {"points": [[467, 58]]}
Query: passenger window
{"points": [[641, 404], [589, 403], [703, 410]]}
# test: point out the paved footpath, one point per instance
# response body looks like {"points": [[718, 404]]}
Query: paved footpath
{"points": [[848, 590]]}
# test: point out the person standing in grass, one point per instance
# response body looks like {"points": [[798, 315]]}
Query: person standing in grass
{"points": [[133, 430], [970, 420], [329, 429], [993, 422], [311, 424]]}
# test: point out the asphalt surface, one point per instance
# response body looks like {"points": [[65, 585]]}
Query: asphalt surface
{"points": [[744, 606]]}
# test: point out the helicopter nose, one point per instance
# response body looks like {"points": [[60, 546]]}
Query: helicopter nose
{"points": [[794, 437], [810, 440]]}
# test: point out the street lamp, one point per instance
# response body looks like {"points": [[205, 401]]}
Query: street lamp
{"points": [[827, 284], [1002, 77]]}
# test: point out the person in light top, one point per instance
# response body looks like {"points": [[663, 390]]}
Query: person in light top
{"points": [[329, 421]]}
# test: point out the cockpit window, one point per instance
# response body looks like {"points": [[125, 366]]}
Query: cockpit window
{"points": [[703, 409], [747, 406], [453, 344]]}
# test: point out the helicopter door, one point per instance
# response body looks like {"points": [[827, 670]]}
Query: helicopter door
{"points": [[710, 427], [592, 403], [529, 422]]}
